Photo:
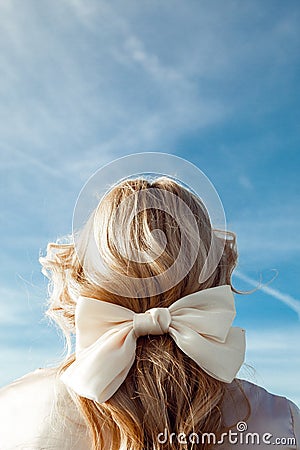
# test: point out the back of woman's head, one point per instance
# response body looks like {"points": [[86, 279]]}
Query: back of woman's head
{"points": [[165, 390]]}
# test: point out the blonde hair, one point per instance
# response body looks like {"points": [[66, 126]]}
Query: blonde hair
{"points": [[165, 389]]}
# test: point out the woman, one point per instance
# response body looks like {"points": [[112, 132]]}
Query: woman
{"points": [[143, 376]]}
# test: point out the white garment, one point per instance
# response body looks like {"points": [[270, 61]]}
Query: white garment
{"points": [[28, 420]]}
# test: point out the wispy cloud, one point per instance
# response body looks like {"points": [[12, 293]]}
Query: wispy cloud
{"points": [[267, 231], [18, 306], [285, 298], [120, 87], [273, 361]]}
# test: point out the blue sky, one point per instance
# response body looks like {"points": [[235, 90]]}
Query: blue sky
{"points": [[86, 81]]}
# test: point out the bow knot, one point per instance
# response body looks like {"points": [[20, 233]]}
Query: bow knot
{"points": [[154, 321]]}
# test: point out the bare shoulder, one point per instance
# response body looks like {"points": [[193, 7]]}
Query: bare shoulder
{"points": [[36, 409]]}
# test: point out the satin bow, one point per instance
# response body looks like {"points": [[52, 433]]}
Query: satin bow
{"points": [[106, 335]]}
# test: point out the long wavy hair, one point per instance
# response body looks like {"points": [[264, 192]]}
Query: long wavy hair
{"points": [[165, 389]]}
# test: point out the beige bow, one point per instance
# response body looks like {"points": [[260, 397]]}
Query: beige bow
{"points": [[106, 334]]}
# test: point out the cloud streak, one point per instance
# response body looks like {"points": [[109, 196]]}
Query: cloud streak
{"points": [[287, 299], [272, 360]]}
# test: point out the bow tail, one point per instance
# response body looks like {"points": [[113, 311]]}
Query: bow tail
{"points": [[101, 368], [221, 360]]}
